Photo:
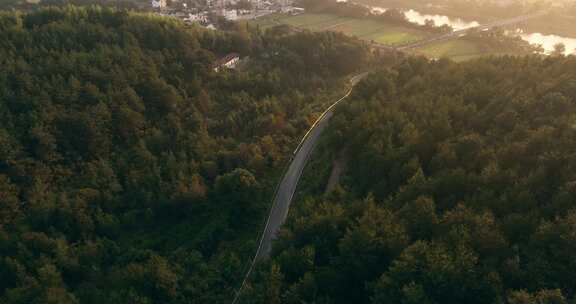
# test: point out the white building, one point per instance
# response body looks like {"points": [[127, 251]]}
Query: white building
{"points": [[159, 4], [292, 10], [231, 15], [229, 61], [199, 17]]}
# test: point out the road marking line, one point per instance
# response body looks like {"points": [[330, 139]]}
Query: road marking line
{"points": [[353, 80]]}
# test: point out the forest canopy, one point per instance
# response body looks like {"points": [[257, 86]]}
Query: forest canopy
{"points": [[132, 172], [459, 188]]}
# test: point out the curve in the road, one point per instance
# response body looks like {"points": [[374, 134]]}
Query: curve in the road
{"points": [[287, 187]]}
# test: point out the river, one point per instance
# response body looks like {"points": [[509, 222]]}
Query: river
{"points": [[549, 41], [546, 41], [419, 18], [456, 23]]}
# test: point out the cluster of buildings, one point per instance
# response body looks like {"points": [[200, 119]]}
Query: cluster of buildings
{"points": [[201, 11], [204, 12]]}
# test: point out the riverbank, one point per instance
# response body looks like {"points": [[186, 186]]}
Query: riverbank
{"points": [[526, 30], [430, 9], [563, 24], [460, 49]]}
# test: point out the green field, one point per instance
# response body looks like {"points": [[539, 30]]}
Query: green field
{"points": [[366, 29], [377, 31], [457, 50]]}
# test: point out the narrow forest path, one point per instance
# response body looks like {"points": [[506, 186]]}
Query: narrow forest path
{"points": [[338, 168]]}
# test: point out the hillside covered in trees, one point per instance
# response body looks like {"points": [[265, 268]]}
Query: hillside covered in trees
{"points": [[459, 188], [130, 171]]}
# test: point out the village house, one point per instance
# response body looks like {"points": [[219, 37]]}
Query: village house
{"points": [[159, 4], [201, 18], [292, 10], [229, 61]]}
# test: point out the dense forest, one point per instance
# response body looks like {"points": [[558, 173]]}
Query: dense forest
{"points": [[131, 171], [459, 188]]}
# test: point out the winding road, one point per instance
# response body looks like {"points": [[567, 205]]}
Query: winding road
{"points": [[289, 182], [287, 187]]}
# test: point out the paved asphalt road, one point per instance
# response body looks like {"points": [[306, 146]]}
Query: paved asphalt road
{"points": [[289, 182], [287, 186]]}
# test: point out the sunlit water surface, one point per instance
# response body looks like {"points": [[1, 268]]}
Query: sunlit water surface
{"points": [[549, 41], [546, 41], [439, 20]]}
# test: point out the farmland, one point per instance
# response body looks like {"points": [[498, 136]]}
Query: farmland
{"points": [[366, 29], [457, 50], [380, 32]]}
